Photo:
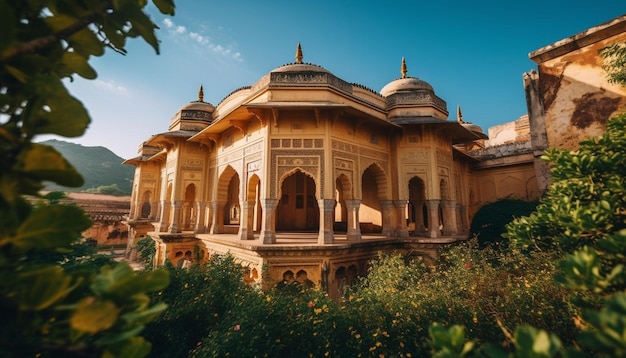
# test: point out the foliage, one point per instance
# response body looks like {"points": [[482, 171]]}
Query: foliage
{"points": [[199, 298], [46, 309], [615, 62], [146, 250], [112, 189], [387, 314], [489, 222], [582, 219]]}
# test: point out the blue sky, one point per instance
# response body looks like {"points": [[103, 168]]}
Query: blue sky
{"points": [[472, 52]]}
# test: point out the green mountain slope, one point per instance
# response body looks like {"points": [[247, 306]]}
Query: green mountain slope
{"points": [[99, 166]]}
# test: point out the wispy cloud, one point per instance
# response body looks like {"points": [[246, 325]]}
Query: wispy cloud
{"points": [[201, 39], [111, 86]]}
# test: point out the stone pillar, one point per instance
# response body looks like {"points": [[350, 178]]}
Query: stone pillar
{"points": [[450, 227], [164, 222], [200, 216], [217, 217], [419, 217], [155, 210], [326, 234], [354, 225], [433, 218], [461, 222], [389, 229], [268, 221], [175, 224], [186, 216], [401, 227], [246, 220]]}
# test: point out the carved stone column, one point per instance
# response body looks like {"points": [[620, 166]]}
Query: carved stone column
{"points": [[200, 216], [155, 210], [164, 222], [450, 227], [354, 225], [268, 221], [175, 224], [419, 217], [433, 218], [246, 221], [389, 228], [326, 234], [401, 228], [217, 217]]}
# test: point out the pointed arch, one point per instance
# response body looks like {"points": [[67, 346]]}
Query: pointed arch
{"points": [[297, 207], [189, 207], [374, 189], [228, 195], [343, 192]]}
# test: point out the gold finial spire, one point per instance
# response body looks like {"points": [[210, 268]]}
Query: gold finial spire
{"points": [[201, 94], [403, 68], [299, 54], [459, 115]]}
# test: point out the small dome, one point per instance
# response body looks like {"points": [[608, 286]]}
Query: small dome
{"points": [[194, 111], [473, 127], [197, 106], [405, 85]]}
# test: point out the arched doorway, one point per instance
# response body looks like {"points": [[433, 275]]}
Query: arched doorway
{"points": [[146, 208], [189, 207], [343, 192], [297, 209], [373, 190]]}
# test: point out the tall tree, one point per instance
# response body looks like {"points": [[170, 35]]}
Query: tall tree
{"points": [[46, 310]]}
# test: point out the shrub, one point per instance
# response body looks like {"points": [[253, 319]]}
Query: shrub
{"points": [[490, 220]]}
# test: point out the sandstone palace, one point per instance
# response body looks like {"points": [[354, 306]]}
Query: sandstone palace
{"points": [[304, 176]]}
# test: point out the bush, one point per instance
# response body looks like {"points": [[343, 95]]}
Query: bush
{"points": [[490, 220]]}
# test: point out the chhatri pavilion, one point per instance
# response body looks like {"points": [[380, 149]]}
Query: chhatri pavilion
{"points": [[304, 176]]}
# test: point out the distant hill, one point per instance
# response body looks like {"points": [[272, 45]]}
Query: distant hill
{"points": [[102, 169]]}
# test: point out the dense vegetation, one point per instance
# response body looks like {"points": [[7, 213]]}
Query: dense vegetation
{"points": [[101, 169], [52, 302]]}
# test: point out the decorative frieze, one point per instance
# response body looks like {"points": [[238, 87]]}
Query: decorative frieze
{"points": [[285, 161], [191, 163]]}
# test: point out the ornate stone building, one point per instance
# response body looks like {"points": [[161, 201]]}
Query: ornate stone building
{"points": [[304, 176]]}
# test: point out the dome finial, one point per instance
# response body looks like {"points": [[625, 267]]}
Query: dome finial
{"points": [[459, 115], [403, 68], [201, 94], [299, 54]]}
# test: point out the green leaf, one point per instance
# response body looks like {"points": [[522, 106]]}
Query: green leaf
{"points": [[93, 315], [78, 64], [50, 227], [145, 316], [39, 289], [52, 110], [166, 7], [134, 347], [44, 163]]}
